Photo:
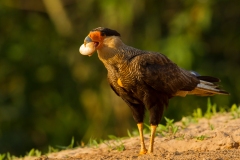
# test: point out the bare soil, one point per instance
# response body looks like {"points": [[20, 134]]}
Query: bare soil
{"points": [[217, 138]]}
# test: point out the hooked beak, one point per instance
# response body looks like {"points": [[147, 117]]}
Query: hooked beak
{"points": [[89, 46], [87, 40]]}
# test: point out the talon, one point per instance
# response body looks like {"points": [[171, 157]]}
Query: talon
{"points": [[142, 152], [149, 152]]}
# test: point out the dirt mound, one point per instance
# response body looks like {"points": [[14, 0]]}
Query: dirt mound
{"points": [[215, 138]]}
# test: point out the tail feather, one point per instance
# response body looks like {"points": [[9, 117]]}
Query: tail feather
{"points": [[207, 90], [205, 78], [206, 87], [208, 78]]}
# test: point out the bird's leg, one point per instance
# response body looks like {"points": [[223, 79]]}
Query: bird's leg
{"points": [[152, 136], [143, 148]]}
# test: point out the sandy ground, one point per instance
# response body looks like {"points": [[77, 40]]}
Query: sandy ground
{"points": [[217, 138]]}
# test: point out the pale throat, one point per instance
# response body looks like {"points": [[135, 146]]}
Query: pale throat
{"points": [[111, 50]]}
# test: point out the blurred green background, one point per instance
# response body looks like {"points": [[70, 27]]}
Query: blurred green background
{"points": [[49, 92]]}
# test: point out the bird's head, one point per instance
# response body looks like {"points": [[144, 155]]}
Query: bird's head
{"points": [[95, 40]]}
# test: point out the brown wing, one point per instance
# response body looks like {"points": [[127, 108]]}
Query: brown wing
{"points": [[163, 75]]}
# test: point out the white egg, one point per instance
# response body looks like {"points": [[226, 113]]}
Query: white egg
{"points": [[87, 49]]}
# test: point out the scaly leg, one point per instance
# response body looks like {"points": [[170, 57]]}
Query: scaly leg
{"points": [[153, 130], [143, 148]]}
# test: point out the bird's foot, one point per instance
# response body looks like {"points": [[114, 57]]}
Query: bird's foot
{"points": [[150, 151], [143, 151]]}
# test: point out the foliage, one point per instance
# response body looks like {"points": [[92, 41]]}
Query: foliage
{"points": [[235, 111], [49, 93], [202, 137], [34, 152], [188, 120], [211, 126], [211, 109], [115, 143], [170, 129], [197, 113], [129, 133], [71, 145], [93, 143], [2, 156]]}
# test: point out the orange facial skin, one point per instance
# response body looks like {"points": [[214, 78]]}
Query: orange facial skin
{"points": [[97, 38]]}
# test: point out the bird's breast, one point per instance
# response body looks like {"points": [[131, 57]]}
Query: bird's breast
{"points": [[119, 82], [127, 83], [128, 76]]}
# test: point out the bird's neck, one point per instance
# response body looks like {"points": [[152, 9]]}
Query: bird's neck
{"points": [[114, 47], [112, 50], [115, 54]]}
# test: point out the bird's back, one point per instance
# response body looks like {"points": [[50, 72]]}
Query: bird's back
{"points": [[145, 76]]}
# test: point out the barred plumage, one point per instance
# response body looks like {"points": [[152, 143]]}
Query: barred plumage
{"points": [[144, 79]]}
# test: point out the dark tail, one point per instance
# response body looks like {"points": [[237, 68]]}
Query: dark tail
{"points": [[207, 87]]}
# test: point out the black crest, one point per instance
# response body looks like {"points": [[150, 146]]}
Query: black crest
{"points": [[107, 31]]}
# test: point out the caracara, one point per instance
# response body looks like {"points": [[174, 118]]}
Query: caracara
{"points": [[145, 80]]}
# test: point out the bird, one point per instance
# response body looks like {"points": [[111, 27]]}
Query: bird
{"points": [[145, 80]]}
